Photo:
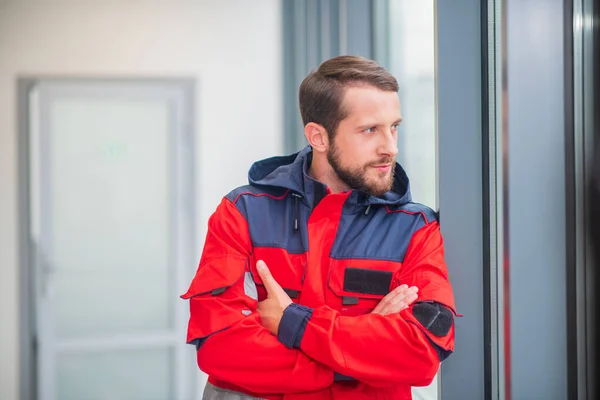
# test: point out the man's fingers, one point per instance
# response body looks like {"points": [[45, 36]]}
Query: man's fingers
{"points": [[403, 299], [269, 282], [397, 300], [385, 303], [398, 305], [265, 274], [398, 295]]}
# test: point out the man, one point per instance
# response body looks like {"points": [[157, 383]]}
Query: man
{"points": [[307, 286]]}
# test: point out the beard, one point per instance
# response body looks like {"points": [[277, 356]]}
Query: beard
{"points": [[356, 177]]}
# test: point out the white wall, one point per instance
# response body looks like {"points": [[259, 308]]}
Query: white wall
{"points": [[233, 49]]}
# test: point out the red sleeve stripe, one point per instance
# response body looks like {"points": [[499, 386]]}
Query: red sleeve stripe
{"points": [[262, 194]]}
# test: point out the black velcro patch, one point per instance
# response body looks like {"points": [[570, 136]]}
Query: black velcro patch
{"points": [[369, 281], [436, 318]]}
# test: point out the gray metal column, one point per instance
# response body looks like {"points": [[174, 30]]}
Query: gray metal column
{"points": [[536, 199], [583, 194], [593, 133], [460, 188], [516, 295]]}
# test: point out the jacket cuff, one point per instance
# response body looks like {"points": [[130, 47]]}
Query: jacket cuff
{"points": [[292, 325]]}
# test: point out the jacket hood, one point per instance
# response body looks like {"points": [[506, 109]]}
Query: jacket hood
{"points": [[291, 173]]}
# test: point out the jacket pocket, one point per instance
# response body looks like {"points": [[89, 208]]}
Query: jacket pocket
{"points": [[219, 296], [216, 275], [287, 269], [356, 286]]}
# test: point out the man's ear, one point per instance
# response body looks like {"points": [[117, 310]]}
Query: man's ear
{"points": [[316, 136]]}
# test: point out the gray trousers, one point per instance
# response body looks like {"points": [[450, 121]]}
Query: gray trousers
{"points": [[212, 392]]}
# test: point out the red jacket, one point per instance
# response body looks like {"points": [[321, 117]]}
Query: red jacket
{"points": [[336, 255]]}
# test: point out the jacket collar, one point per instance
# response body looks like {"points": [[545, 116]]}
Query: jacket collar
{"points": [[291, 173]]}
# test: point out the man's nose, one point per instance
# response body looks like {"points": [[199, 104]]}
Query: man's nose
{"points": [[389, 145]]}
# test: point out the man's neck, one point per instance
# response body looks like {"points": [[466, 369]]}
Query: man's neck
{"points": [[321, 170]]}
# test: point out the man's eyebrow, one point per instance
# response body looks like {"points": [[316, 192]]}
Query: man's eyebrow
{"points": [[364, 126]]}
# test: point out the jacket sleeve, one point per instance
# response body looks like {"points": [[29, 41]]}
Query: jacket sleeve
{"points": [[232, 344], [404, 348]]}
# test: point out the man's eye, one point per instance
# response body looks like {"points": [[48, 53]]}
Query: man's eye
{"points": [[370, 130], [395, 127]]}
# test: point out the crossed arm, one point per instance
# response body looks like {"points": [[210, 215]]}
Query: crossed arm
{"points": [[239, 339]]}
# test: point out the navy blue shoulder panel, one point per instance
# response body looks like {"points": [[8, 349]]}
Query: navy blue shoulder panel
{"points": [[381, 233], [415, 208], [271, 217], [236, 193]]}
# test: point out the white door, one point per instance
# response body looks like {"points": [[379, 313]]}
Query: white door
{"points": [[111, 209]]}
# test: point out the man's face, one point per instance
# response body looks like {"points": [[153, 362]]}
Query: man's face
{"points": [[363, 151]]}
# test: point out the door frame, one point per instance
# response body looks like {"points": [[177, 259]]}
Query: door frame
{"points": [[28, 349]]}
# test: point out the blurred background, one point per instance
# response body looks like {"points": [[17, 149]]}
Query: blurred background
{"points": [[123, 123]]}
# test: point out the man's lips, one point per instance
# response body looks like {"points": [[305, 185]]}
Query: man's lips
{"points": [[383, 167]]}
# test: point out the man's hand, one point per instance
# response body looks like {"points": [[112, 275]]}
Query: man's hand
{"points": [[396, 300], [271, 309]]}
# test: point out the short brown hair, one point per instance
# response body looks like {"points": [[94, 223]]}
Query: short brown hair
{"points": [[322, 91]]}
